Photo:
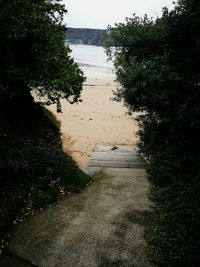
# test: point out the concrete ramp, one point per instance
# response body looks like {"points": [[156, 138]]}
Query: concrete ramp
{"points": [[103, 226]]}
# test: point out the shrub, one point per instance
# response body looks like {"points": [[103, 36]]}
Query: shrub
{"points": [[157, 65], [34, 169]]}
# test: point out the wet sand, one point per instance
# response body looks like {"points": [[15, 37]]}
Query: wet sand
{"points": [[96, 120]]}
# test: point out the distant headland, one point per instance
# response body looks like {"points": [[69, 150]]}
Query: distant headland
{"points": [[84, 36]]}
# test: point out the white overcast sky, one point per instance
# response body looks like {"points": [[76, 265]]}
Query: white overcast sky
{"points": [[100, 13]]}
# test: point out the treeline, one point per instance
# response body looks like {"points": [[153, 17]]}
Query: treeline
{"points": [[84, 36], [158, 66]]}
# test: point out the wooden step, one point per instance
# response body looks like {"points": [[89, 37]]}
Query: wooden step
{"points": [[117, 157]]}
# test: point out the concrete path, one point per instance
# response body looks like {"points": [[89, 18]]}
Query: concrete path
{"points": [[104, 226]]}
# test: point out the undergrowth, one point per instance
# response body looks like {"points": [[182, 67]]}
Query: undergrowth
{"points": [[34, 170]]}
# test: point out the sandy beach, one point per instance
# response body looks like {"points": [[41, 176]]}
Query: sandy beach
{"points": [[96, 120]]}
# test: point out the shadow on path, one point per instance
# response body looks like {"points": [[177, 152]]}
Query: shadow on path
{"points": [[103, 226]]}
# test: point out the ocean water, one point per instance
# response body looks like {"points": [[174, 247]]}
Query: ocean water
{"points": [[93, 61]]}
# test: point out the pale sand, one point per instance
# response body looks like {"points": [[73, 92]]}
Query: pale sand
{"points": [[96, 120]]}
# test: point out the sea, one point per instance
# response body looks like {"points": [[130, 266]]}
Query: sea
{"points": [[93, 61]]}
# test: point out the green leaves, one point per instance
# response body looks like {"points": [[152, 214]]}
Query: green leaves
{"points": [[158, 68], [33, 53]]}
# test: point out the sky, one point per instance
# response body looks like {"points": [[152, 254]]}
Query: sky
{"points": [[99, 13]]}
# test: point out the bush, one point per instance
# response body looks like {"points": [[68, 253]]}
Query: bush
{"points": [[157, 65], [34, 169]]}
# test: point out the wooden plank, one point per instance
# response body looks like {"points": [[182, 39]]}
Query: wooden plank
{"points": [[117, 164], [114, 153], [96, 162], [115, 157], [122, 157], [137, 161], [101, 148]]}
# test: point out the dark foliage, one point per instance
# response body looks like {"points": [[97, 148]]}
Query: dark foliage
{"points": [[34, 170], [32, 51], [158, 69], [85, 36]]}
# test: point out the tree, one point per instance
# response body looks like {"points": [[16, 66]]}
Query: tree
{"points": [[34, 169], [157, 65], [33, 54]]}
